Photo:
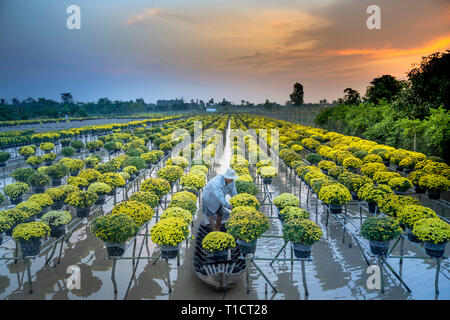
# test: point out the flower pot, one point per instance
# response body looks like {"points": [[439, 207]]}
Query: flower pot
{"points": [[399, 193], [1, 238], [408, 170], [379, 248], [301, 251], [434, 195], [83, 212], [58, 231], [411, 236], [44, 210], [399, 168], [434, 250], [30, 248], [419, 190], [169, 252], [39, 189], [372, 206], [115, 249], [246, 247], [57, 205], [48, 163], [267, 180], [325, 171], [220, 256], [112, 193], [2, 164], [354, 196], [111, 151], [56, 182], [335, 209], [149, 166], [75, 173], [15, 200], [386, 163], [101, 200]]}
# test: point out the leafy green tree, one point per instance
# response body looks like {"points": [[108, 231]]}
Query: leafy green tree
{"points": [[351, 97], [297, 95], [384, 87]]}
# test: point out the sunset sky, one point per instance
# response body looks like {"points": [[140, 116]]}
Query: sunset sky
{"points": [[248, 49]]}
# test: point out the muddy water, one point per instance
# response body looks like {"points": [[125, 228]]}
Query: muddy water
{"points": [[337, 269]]}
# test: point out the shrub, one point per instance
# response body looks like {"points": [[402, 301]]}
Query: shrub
{"points": [[392, 203], [170, 173], [374, 194], [177, 212], [410, 214], [47, 146], [408, 162], [31, 231], [31, 207], [105, 167], [56, 218], [166, 146], [335, 194], [372, 158], [117, 228], [112, 179], [91, 161], [91, 175], [149, 157], [135, 162], [99, 188], [356, 182], [246, 187], [170, 231], [433, 230], [352, 163], [16, 189], [314, 158], [290, 213], [434, 183], [6, 222], [57, 171], [77, 181], [400, 184], [22, 174], [4, 156], [68, 189], [77, 144], [55, 194], [156, 185], [415, 176], [383, 177], [184, 203], [178, 161], [326, 165], [17, 216], [149, 198], [112, 145], [218, 241], [285, 199], [81, 199], [74, 165], [138, 211], [244, 199], [268, 172], [380, 229], [247, 224], [67, 151], [369, 169], [34, 160], [302, 231], [44, 200], [337, 171], [26, 151], [193, 180]]}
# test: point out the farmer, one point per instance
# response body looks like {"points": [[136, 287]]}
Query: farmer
{"points": [[214, 197]]}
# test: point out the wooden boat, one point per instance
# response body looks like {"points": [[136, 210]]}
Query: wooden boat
{"points": [[220, 276]]}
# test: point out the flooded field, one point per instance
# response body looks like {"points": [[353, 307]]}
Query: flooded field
{"points": [[338, 269]]}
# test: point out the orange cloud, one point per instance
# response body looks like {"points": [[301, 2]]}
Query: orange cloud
{"points": [[432, 46]]}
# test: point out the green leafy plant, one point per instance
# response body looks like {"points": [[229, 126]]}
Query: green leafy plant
{"points": [[218, 241], [4, 156], [400, 184], [285, 199], [373, 193], [244, 199], [380, 229], [56, 218], [246, 223], [302, 231], [369, 169], [114, 180], [185, 203], [149, 198], [67, 151], [246, 187], [156, 185], [31, 231], [433, 230], [138, 211], [314, 158], [34, 161], [81, 199], [78, 182], [392, 203], [99, 188], [290, 213], [6, 222], [77, 144], [43, 199], [91, 175], [16, 189], [26, 151], [435, 183], [383, 177], [410, 214], [16, 215], [177, 212], [335, 194], [55, 194], [31, 207], [22, 174], [114, 228], [170, 173], [193, 180]]}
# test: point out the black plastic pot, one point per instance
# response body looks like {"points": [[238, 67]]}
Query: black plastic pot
{"points": [[411, 236], [220, 256], [57, 205], [56, 182], [419, 190], [115, 249], [2, 164], [434, 250], [372, 207], [335, 209], [301, 251], [169, 252], [39, 190], [386, 163], [83, 212], [354, 196], [246, 247], [267, 180], [399, 168], [379, 248], [434, 195], [30, 248], [101, 200], [57, 231]]}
